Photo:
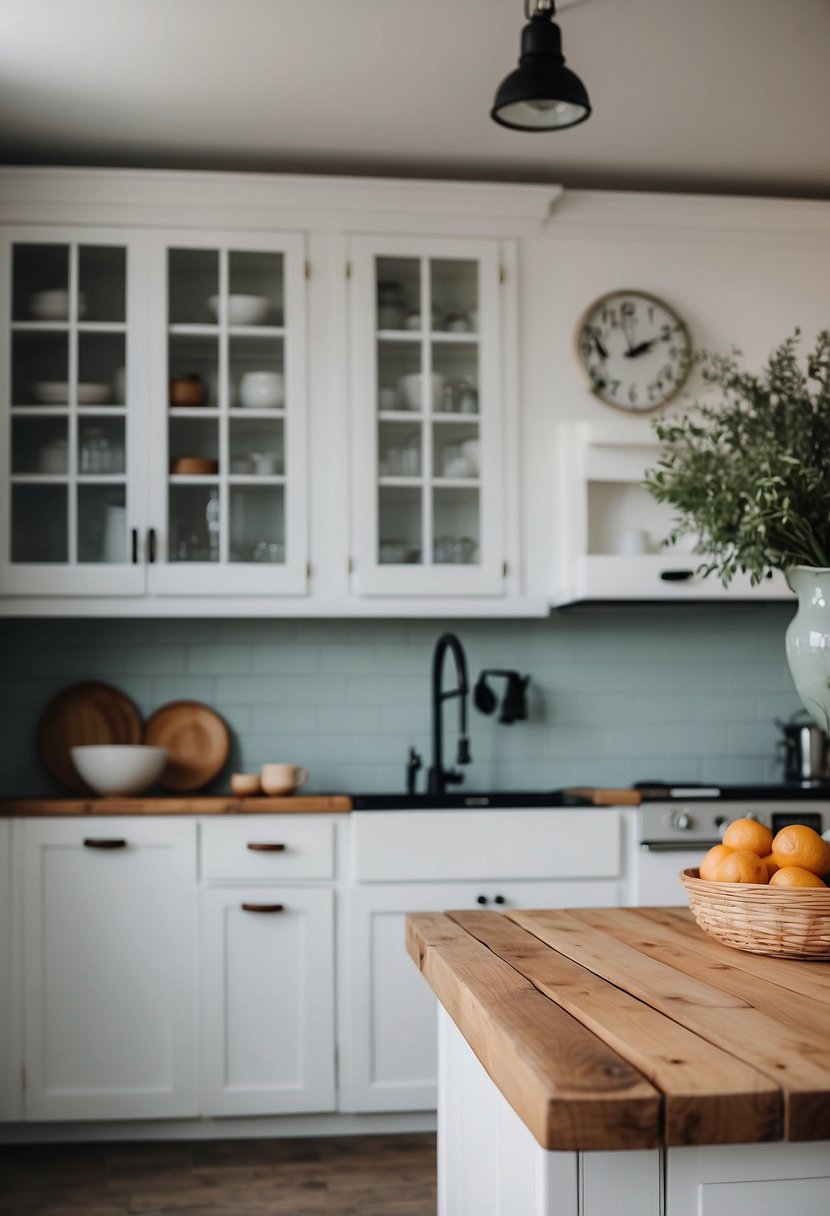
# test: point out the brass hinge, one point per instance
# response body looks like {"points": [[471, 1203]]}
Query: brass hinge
{"points": [[505, 569], [349, 565], [502, 274], [348, 270], [308, 270], [309, 569]]}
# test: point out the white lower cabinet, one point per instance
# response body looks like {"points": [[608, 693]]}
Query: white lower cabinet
{"points": [[267, 1000], [389, 1061], [9, 1066], [110, 942]]}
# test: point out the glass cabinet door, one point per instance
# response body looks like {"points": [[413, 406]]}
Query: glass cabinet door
{"points": [[71, 510], [426, 397], [229, 461]]}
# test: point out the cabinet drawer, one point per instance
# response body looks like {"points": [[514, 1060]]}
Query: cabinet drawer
{"points": [[271, 848], [418, 846]]}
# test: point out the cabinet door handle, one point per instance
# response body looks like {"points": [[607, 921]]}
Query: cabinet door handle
{"points": [[134, 542], [265, 847], [262, 907], [104, 842], [151, 545], [481, 899], [499, 899], [676, 576]]}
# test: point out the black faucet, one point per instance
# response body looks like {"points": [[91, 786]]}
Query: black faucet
{"points": [[438, 778]]}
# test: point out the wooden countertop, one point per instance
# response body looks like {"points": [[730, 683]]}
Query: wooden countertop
{"points": [[223, 804], [626, 1028]]}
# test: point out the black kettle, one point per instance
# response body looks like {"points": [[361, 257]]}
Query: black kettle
{"points": [[806, 750]]}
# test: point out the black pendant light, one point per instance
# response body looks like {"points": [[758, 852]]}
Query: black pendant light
{"points": [[542, 94]]}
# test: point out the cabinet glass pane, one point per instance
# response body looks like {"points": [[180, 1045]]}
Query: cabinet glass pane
{"points": [[454, 289], [256, 447], [40, 283], [102, 282], [398, 283], [400, 525], [456, 449], [101, 368], [399, 378], [40, 369], [257, 291], [194, 360], [194, 523], [39, 532], [257, 531], [192, 439], [39, 445], [455, 366], [193, 275], [102, 524], [257, 372], [399, 449], [101, 447], [456, 529]]}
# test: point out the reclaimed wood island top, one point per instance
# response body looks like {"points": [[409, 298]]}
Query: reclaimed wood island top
{"points": [[629, 1028]]}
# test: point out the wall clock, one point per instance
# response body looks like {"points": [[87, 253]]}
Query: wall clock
{"points": [[634, 349]]}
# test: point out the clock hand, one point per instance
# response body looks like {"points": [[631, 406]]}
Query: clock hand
{"points": [[601, 351], [639, 349]]}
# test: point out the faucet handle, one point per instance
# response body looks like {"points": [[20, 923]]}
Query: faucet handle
{"points": [[413, 764], [463, 756]]}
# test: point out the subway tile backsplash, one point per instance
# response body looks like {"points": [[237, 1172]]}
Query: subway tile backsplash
{"points": [[617, 694]]}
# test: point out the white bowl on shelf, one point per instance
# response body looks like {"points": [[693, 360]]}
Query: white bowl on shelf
{"points": [[53, 305], [56, 392], [411, 390], [119, 768], [262, 390], [242, 309]]}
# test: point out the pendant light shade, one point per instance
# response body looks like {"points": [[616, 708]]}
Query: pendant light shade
{"points": [[541, 94]]}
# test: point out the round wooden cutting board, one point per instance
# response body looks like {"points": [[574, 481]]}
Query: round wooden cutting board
{"points": [[197, 739], [84, 713]]}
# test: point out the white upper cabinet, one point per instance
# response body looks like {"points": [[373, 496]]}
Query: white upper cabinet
{"points": [[228, 472], [429, 417], [73, 395], [611, 530]]}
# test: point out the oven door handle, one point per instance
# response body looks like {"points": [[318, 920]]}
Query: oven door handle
{"points": [[672, 846]]}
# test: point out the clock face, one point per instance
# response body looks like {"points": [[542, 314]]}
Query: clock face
{"points": [[635, 351]]}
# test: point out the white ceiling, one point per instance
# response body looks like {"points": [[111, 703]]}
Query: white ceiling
{"points": [[721, 95]]}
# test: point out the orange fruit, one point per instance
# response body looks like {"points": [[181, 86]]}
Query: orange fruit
{"points": [[748, 834], [712, 859], [771, 864], [741, 866], [797, 845], [795, 876]]}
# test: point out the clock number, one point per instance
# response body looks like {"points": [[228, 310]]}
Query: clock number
{"points": [[633, 394]]}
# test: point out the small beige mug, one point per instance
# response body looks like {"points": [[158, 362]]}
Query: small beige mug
{"points": [[283, 778]]}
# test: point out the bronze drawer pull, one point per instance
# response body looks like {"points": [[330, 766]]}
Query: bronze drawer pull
{"points": [[265, 848], [262, 907], [104, 842]]}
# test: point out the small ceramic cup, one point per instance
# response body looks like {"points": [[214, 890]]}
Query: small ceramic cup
{"points": [[245, 785], [282, 778]]}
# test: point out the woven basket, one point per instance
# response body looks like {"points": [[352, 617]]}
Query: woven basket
{"points": [[789, 923]]}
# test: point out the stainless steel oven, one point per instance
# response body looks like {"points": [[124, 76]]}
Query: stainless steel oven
{"points": [[675, 832]]}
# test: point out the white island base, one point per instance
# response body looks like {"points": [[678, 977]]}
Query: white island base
{"points": [[489, 1163]]}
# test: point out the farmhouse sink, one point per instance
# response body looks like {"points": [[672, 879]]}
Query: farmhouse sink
{"points": [[467, 800]]}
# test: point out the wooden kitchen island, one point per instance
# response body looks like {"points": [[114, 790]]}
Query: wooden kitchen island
{"points": [[619, 1062]]}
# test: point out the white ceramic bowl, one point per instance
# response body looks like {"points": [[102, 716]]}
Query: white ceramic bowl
{"points": [[119, 768], [242, 310], [54, 305], [411, 390], [262, 390]]}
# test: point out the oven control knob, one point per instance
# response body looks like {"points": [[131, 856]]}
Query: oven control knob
{"points": [[682, 820]]}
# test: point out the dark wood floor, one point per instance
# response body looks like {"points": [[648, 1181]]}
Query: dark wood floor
{"points": [[330, 1176]]}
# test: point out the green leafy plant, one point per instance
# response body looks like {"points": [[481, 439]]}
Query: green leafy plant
{"points": [[749, 473]]}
